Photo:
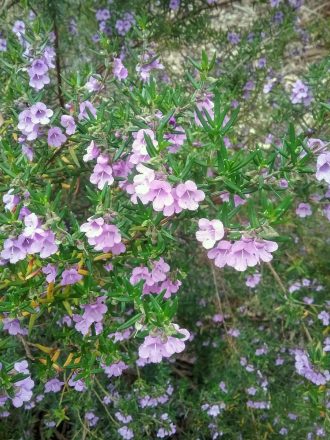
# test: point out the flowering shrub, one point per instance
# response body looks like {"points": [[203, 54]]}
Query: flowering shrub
{"points": [[157, 266]]}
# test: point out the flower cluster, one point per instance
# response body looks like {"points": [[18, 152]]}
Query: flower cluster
{"points": [[35, 239], [38, 71], [158, 346], [170, 200], [156, 280], [103, 236], [244, 253], [93, 314]]}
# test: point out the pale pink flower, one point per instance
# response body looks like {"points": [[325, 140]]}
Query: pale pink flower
{"points": [[102, 173], [92, 152], [210, 231], [304, 210], [188, 195], [323, 167]]}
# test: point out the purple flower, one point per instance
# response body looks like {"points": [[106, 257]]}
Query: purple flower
{"points": [[78, 385], [53, 386], [253, 280], [70, 276], [3, 45], [13, 327], [10, 200], [38, 67], [160, 193], [93, 228], [69, 124], [91, 419], [188, 195], [50, 270], [210, 231], [233, 38], [93, 85], [301, 94], [323, 167], [304, 210], [92, 152], [86, 108], [116, 369], [40, 114], [324, 317], [102, 172], [13, 250], [174, 5], [55, 137], [102, 14], [38, 81], [19, 27], [126, 433], [119, 70]]}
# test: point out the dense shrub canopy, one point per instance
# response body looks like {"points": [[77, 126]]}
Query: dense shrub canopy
{"points": [[165, 186]]}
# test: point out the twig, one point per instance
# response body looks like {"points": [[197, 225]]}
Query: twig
{"points": [[277, 278]]}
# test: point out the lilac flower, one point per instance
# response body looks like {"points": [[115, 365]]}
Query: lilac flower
{"points": [[305, 368], [78, 385], [38, 81], [3, 45], [53, 386], [19, 27], [107, 241], [93, 314], [304, 210], [23, 391], [124, 419], [174, 5], [323, 167], [93, 228], [40, 114], [220, 253], [28, 152], [204, 105], [102, 172], [149, 62], [154, 349], [83, 107], [116, 369], [124, 25], [55, 137], [13, 327], [253, 280], [69, 124], [13, 251], [301, 94], [210, 231], [126, 433], [233, 38], [160, 194], [93, 85], [92, 152], [188, 195], [102, 14], [139, 146], [50, 270], [91, 419], [10, 200], [258, 404], [70, 276], [176, 140], [283, 183], [119, 70], [324, 317]]}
